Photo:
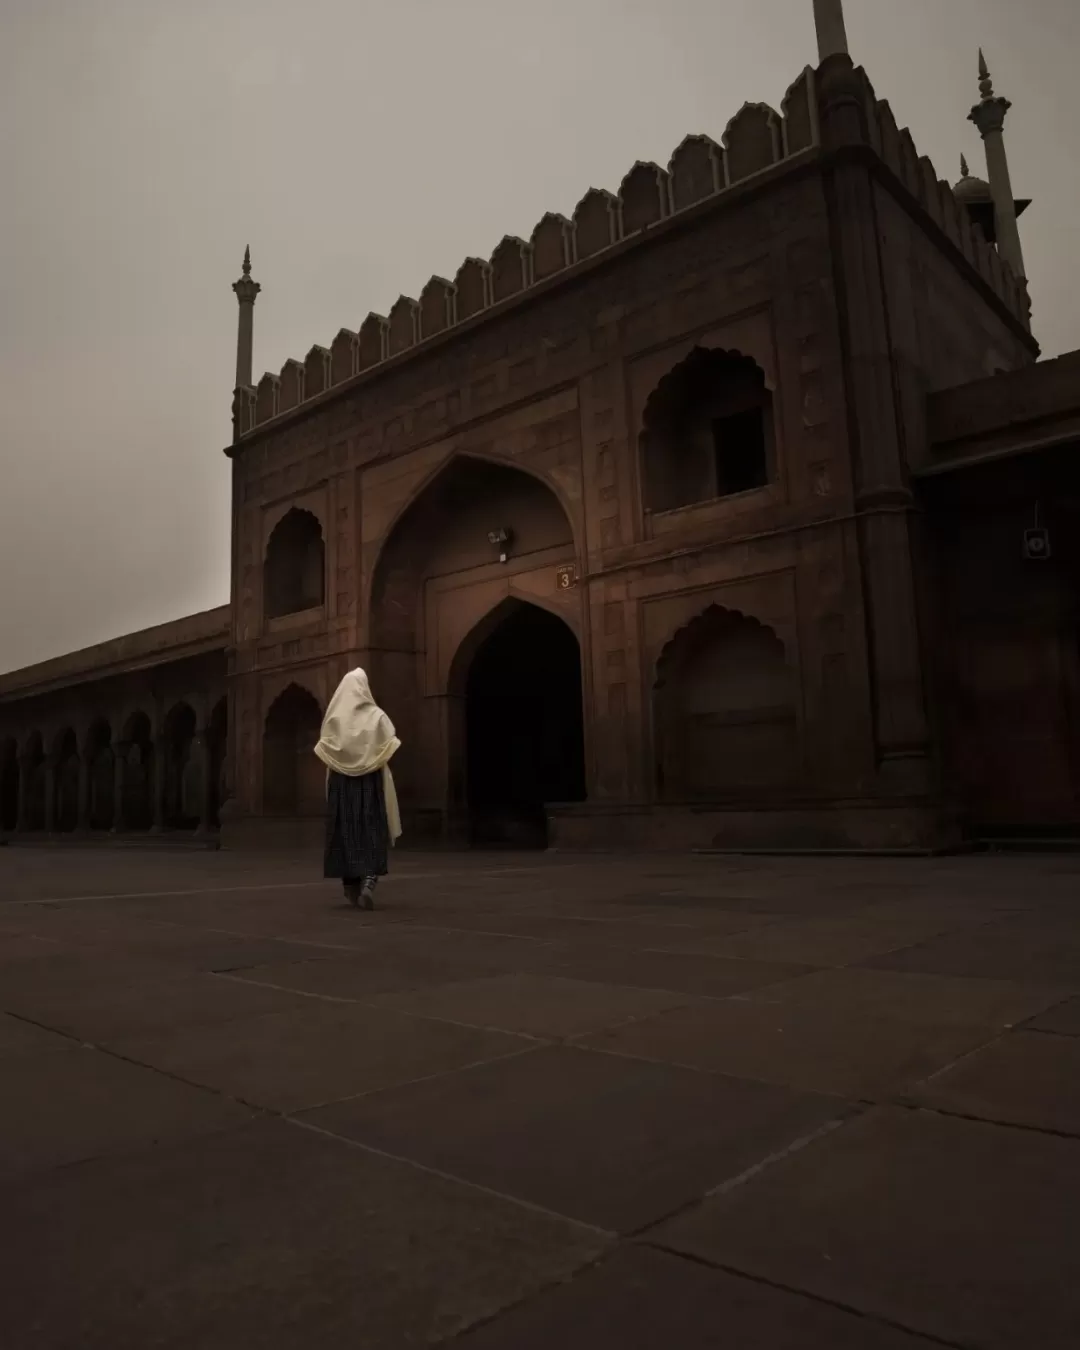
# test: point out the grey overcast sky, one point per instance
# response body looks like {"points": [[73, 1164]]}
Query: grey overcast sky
{"points": [[361, 146]]}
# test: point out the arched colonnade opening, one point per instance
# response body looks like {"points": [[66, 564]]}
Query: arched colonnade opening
{"points": [[66, 781]]}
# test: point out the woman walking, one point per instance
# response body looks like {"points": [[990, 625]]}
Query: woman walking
{"points": [[362, 819]]}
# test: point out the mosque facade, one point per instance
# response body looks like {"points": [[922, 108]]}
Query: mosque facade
{"points": [[734, 511]]}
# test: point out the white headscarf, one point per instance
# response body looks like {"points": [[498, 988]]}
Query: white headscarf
{"points": [[358, 738]]}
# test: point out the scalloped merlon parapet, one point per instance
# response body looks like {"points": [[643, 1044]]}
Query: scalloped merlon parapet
{"points": [[916, 172], [344, 354], [799, 113], [552, 246], [437, 307], [291, 393], [316, 371], [696, 171], [266, 397], [596, 223], [510, 268], [700, 168], [404, 329], [373, 341], [752, 141], [473, 287], [644, 197]]}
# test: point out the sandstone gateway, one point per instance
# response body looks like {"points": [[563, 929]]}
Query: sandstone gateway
{"points": [[735, 510]]}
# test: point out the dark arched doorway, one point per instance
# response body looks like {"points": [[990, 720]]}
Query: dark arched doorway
{"points": [[524, 733], [9, 784], [294, 781]]}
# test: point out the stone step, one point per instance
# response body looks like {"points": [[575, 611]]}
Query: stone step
{"points": [[167, 841]]}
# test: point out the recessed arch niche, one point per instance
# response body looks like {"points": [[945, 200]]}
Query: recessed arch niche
{"points": [[725, 710]]}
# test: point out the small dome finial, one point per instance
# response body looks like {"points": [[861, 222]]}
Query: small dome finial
{"points": [[986, 84], [965, 172]]}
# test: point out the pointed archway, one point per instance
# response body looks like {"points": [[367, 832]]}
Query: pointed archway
{"points": [[478, 531], [518, 681]]}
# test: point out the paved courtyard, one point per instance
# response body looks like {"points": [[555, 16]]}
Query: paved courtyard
{"points": [[539, 1101]]}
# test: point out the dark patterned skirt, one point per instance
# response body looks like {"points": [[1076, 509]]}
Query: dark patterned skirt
{"points": [[357, 834]]}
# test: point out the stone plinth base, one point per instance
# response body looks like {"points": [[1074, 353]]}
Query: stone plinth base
{"points": [[273, 834], [137, 839], [844, 827], [839, 828]]}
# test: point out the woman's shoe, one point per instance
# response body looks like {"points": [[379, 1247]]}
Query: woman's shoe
{"points": [[367, 896]]}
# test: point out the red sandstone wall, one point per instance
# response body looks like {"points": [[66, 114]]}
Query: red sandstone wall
{"points": [[557, 387]]}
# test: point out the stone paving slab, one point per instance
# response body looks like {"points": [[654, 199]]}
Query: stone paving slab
{"points": [[923, 1000], [1030, 948], [358, 976], [640, 1299], [957, 1229], [267, 1236], [18, 1037], [802, 1048], [114, 1013], [81, 1103], [16, 947], [677, 972], [1063, 1019], [838, 940], [178, 1205], [319, 1053], [1024, 1078], [492, 952], [636, 933], [605, 1140], [533, 1005]]}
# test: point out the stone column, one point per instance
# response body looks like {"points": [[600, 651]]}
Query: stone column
{"points": [[206, 769], [157, 785], [82, 814], [119, 767], [50, 795], [25, 769]]}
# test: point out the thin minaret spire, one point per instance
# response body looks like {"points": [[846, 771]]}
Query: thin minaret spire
{"points": [[831, 30]]}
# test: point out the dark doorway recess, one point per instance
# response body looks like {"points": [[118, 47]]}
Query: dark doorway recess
{"points": [[525, 744]]}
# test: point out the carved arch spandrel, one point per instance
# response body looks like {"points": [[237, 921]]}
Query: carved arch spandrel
{"points": [[428, 471]]}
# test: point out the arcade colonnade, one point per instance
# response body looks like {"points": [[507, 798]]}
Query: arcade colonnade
{"points": [[129, 736], [118, 775]]}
